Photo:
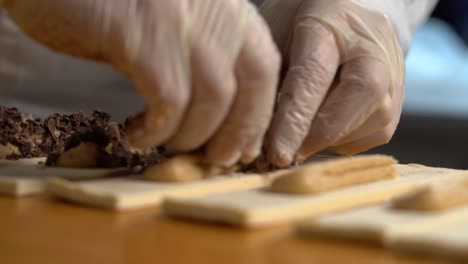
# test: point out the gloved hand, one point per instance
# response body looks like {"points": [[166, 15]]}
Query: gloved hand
{"points": [[344, 78], [208, 69]]}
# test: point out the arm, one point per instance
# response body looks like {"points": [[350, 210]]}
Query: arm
{"points": [[208, 69]]}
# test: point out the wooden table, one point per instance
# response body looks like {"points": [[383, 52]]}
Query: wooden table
{"points": [[42, 230]]}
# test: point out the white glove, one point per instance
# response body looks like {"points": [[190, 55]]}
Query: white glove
{"points": [[344, 82], [207, 68]]}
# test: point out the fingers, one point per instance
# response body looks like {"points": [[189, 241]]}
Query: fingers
{"points": [[363, 87], [378, 138], [167, 93], [314, 60], [350, 146], [214, 88], [257, 70], [383, 115]]}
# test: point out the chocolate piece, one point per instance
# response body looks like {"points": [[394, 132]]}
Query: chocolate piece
{"points": [[21, 134]]}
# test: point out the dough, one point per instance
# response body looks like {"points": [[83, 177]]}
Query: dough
{"points": [[337, 173], [447, 242], [131, 193], [258, 208], [7, 150], [184, 168], [29, 180], [445, 195], [85, 155], [21, 162]]}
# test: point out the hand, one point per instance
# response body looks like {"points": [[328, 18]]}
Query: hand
{"points": [[208, 69], [344, 82]]}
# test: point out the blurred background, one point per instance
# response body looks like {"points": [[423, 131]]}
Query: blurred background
{"points": [[434, 127]]}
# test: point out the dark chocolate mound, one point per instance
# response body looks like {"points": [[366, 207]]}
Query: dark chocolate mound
{"points": [[59, 133]]}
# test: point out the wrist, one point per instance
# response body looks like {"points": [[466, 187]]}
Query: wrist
{"points": [[396, 13], [406, 16]]}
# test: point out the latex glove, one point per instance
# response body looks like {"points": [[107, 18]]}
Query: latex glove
{"points": [[208, 69], [344, 83]]}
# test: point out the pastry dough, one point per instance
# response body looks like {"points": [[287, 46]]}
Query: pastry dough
{"points": [[381, 224], [21, 162], [131, 193], [184, 168], [7, 150], [448, 242], [438, 197], [31, 179], [85, 155], [257, 208]]}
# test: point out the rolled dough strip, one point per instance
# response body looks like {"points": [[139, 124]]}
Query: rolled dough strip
{"points": [[184, 168], [334, 174], [134, 193], [257, 208], [445, 195], [85, 155], [31, 179], [447, 242], [21, 162]]}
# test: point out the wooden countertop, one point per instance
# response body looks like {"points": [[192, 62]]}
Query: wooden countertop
{"points": [[42, 230]]}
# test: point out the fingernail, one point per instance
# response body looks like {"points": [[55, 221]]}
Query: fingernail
{"points": [[223, 159], [303, 154], [281, 158], [300, 158], [310, 147], [235, 157], [249, 157]]}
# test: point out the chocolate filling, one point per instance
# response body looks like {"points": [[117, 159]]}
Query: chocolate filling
{"points": [[59, 133]]}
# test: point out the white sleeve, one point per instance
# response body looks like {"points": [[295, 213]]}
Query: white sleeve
{"points": [[406, 15]]}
